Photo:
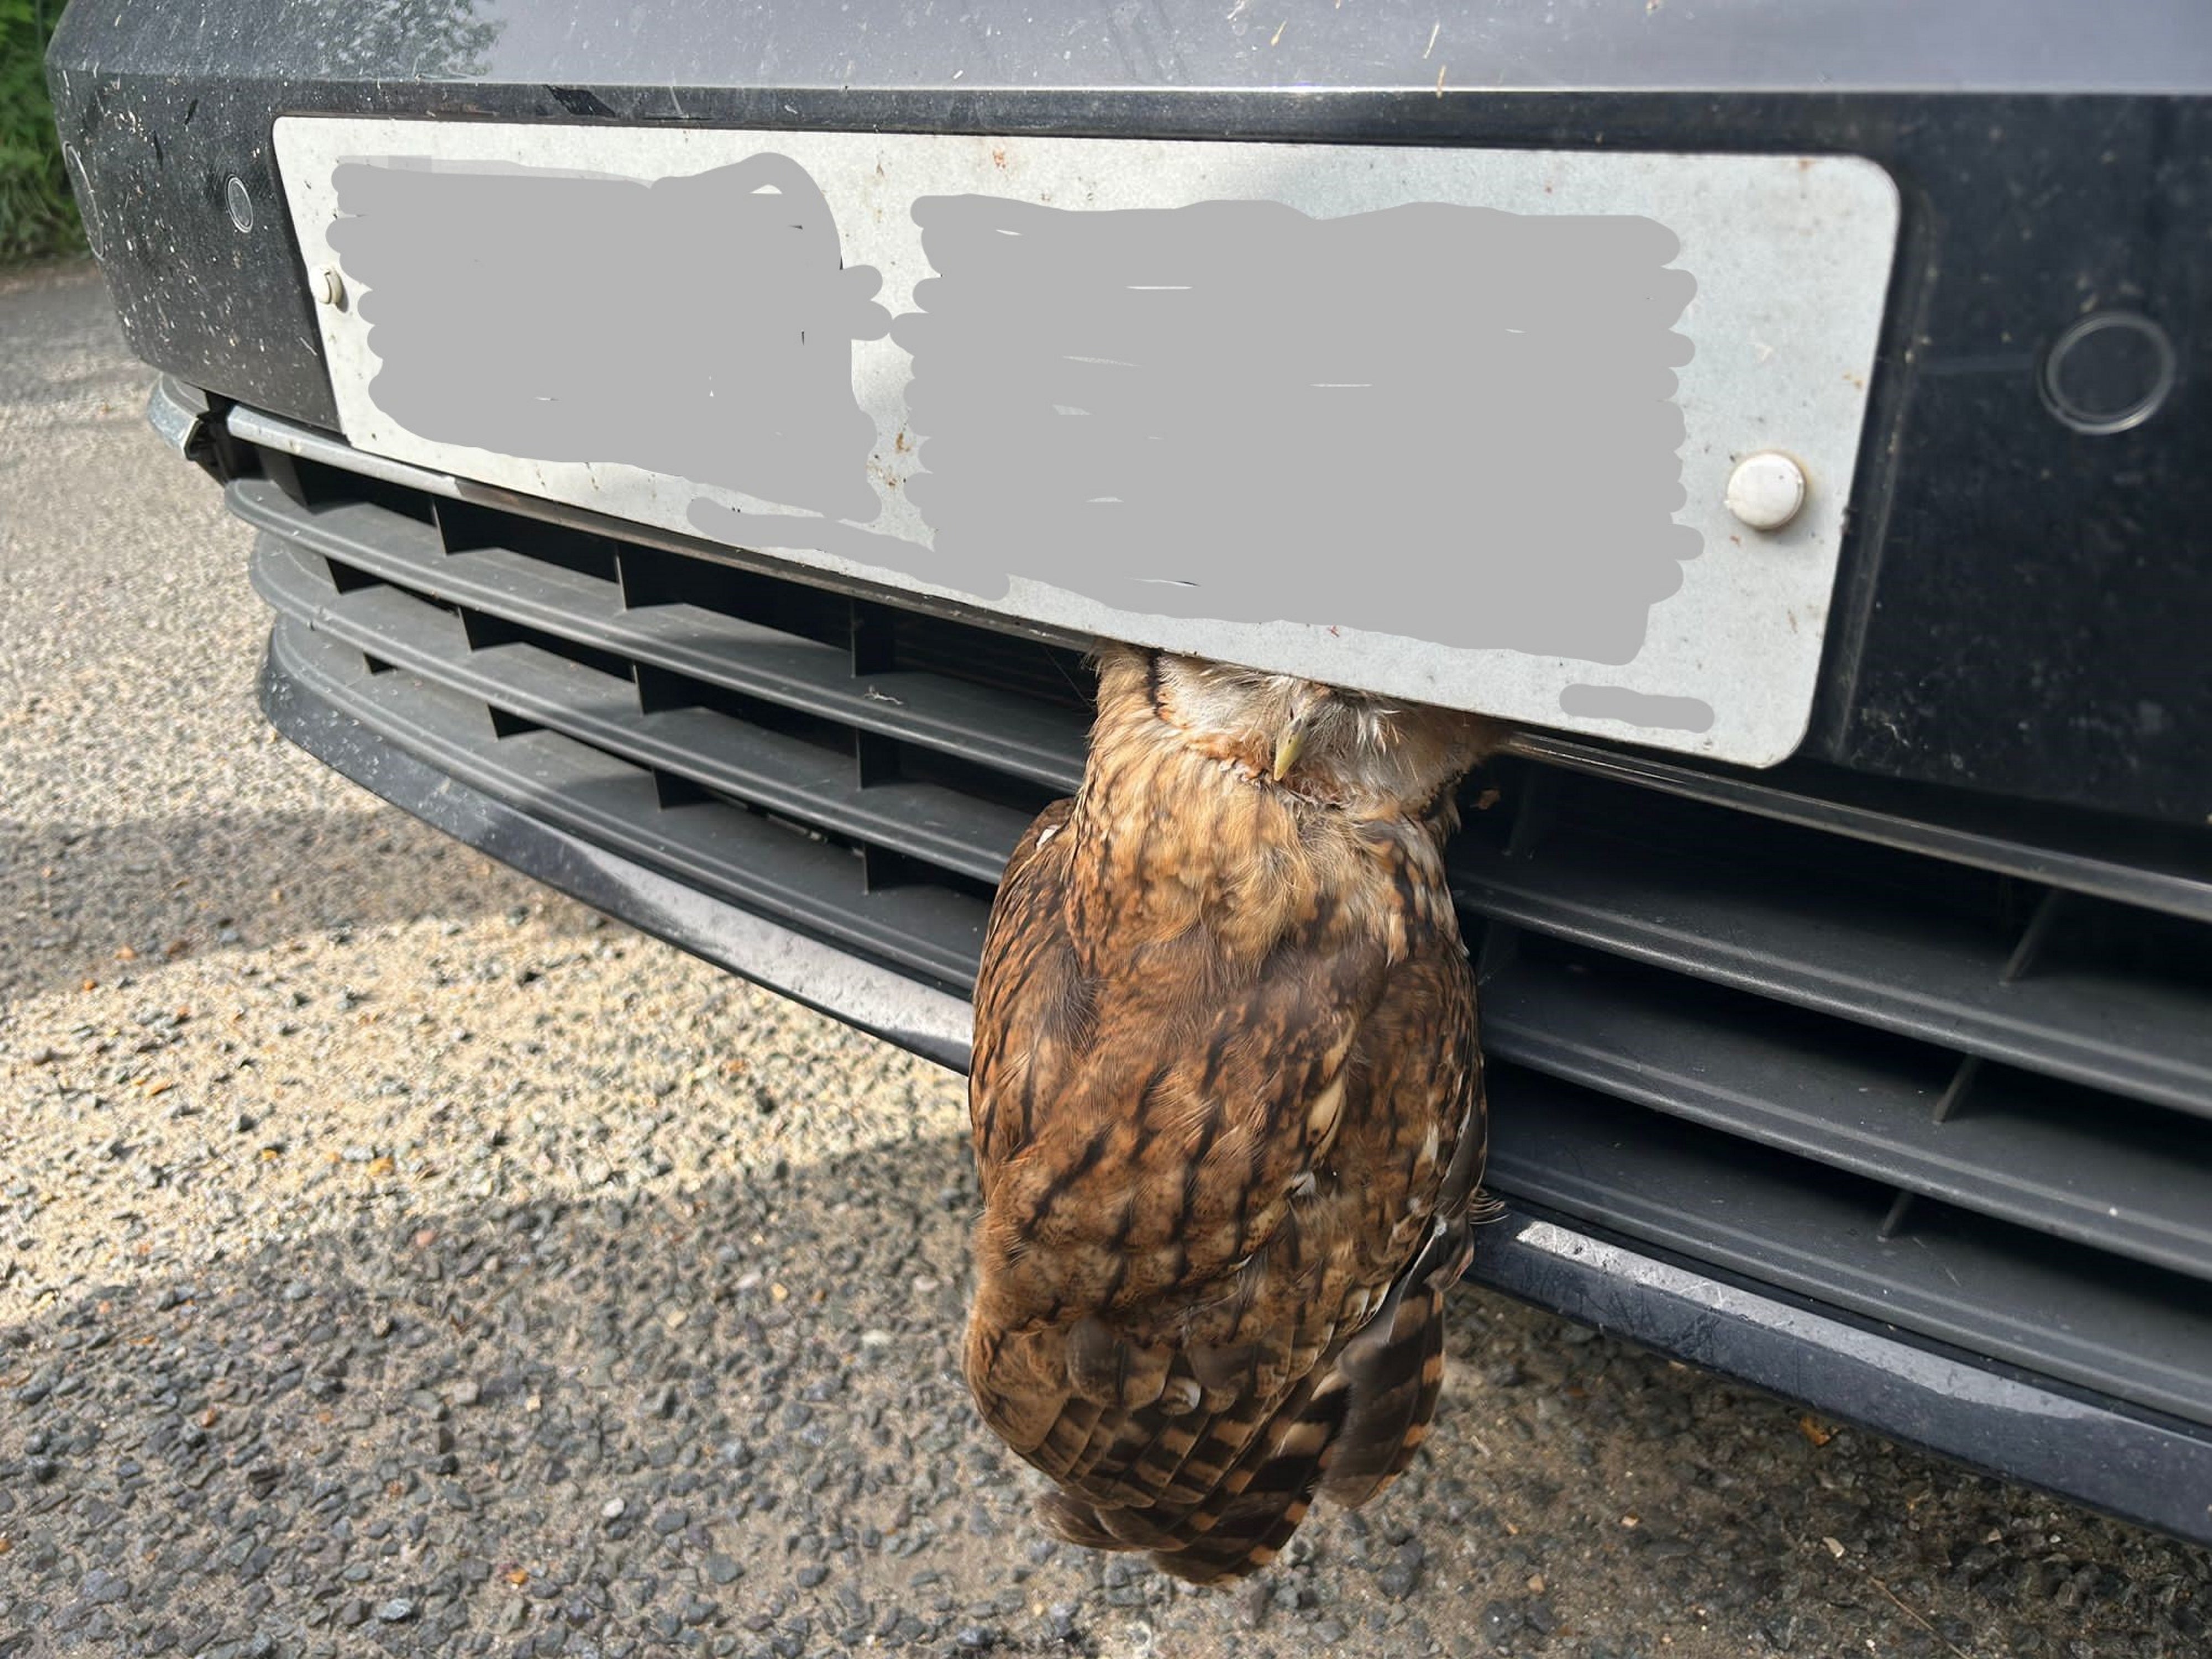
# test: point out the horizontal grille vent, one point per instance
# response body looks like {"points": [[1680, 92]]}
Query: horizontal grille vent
{"points": [[1941, 1063]]}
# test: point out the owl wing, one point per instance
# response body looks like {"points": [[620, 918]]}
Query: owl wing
{"points": [[1220, 1211]]}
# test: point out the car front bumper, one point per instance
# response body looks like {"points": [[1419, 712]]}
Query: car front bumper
{"points": [[1623, 1218]]}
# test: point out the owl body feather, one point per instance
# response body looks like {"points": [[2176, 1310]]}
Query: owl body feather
{"points": [[1227, 1112]]}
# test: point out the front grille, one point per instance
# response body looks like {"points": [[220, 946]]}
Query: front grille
{"points": [[1939, 1062]]}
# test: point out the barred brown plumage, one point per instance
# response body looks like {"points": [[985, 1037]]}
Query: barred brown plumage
{"points": [[1227, 1110]]}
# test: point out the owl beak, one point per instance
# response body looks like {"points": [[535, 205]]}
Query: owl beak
{"points": [[1286, 749]]}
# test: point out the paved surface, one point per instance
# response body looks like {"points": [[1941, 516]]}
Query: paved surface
{"points": [[393, 1256]]}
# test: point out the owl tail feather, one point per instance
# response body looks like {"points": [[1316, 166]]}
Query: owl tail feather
{"points": [[1346, 1434], [1393, 1370], [1238, 1527]]}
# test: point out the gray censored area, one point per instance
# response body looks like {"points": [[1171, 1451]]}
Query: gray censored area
{"points": [[1620, 702], [1445, 423], [700, 326]]}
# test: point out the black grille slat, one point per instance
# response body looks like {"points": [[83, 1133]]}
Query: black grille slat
{"points": [[1041, 675], [2077, 1313], [1806, 941], [762, 768], [2163, 868], [1836, 1094], [1891, 1049], [935, 932], [1044, 743]]}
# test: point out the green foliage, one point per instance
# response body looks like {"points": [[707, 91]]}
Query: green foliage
{"points": [[37, 217]]}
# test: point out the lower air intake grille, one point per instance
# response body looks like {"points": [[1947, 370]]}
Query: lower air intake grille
{"points": [[1939, 1062]]}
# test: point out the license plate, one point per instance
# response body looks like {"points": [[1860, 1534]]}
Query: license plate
{"points": [[1454, 425]]}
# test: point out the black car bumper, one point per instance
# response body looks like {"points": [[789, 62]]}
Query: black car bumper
{"points": [[2091, 1448], [1858, 1094]]}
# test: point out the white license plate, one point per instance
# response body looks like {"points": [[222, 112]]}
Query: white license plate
{"points": [[1455, 425]]}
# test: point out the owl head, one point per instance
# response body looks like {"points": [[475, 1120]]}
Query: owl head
{"points": [[1318, 740]]}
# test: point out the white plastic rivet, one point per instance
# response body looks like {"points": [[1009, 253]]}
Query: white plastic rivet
{"points": [[1767, 490], [330, 287]]}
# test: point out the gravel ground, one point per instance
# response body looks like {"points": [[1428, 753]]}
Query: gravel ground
{"points": [[395, 1256]]}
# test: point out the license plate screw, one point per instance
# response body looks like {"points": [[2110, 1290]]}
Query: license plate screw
{"points": [[1767, 490]]}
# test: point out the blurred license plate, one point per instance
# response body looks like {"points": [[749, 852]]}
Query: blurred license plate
{"points": [[1449, 424]]}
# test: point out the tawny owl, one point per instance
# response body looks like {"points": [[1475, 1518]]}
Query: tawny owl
{"points": [[1228, 1112]]}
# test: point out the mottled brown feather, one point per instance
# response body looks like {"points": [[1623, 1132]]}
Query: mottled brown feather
{"points": [[1227, 1114]]}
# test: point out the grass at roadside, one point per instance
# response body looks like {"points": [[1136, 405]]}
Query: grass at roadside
{"points": [[38, 217]]}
